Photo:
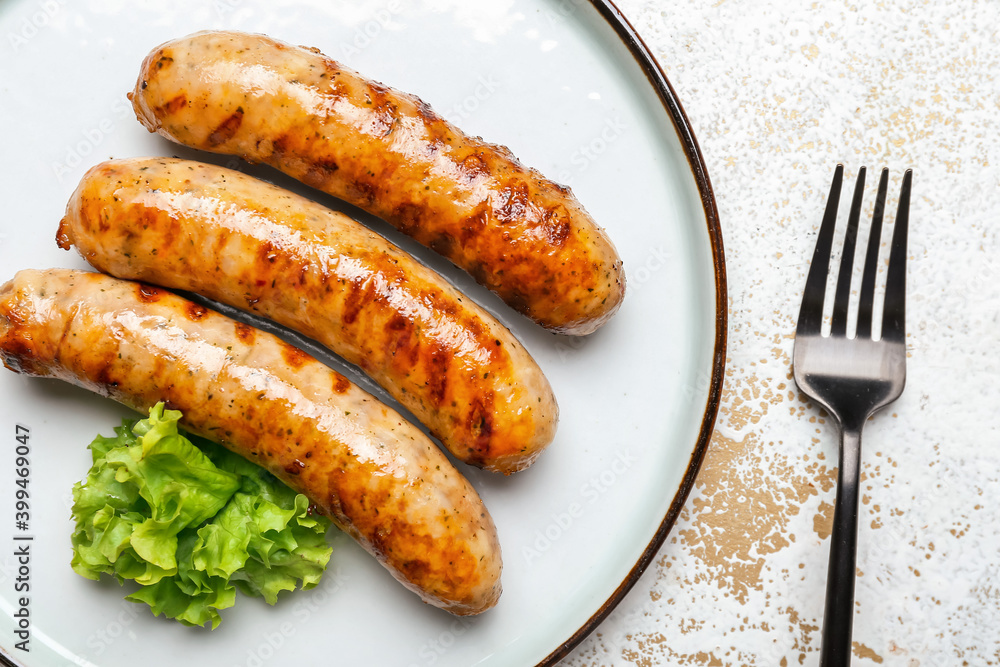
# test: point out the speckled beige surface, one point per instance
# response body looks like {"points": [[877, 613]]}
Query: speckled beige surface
{"points": [[777, 94]]}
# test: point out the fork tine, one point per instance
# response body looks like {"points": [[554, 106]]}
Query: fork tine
{"points": [[894, 312], [867, 301], [811, 312], [838, 325]]}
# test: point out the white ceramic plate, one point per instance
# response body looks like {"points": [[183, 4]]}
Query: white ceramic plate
{"points": [[557, 82]]}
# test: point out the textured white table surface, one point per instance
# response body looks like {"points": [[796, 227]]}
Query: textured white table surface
{"points": [[777, 94]]}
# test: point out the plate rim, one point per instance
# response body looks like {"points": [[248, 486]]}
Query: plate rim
{"points": [[674, 110], [664, 90]]}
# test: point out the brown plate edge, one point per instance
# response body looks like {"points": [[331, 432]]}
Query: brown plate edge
{"points": [[665, 91]]}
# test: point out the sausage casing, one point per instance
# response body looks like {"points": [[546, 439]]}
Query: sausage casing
{"points": [[379, 479], [524, 237], [213, 231]]}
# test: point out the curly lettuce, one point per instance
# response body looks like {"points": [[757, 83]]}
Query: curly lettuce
{"points": [[191, 522]]}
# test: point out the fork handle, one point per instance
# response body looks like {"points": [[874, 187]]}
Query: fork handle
{"points": [[838, 617]]}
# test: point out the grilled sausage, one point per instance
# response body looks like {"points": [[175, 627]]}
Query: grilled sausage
{"points": [[524, 237], [377, 477], [238, 240]]}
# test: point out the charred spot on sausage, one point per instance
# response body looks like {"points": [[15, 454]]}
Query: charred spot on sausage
{"points": [[245, 333], [148, 293], [227, 129], [176, 104], [293, 356], [511, 203], [340, 383], [195, 311]]}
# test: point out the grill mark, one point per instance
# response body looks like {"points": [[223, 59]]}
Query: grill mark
{"points": [[16, 345], [195, 311], [320, 172], [443, 244], [404, 343], [17, 352], [264, 264], [219, 242], [556, 228], [511, 203], [366, 191], [160, 371], [358, 295], [103, 222], [433, 146], [105, 375], [340, 383], [475, 224], [280, 146], [331, 67], [383, 120], [293, 356], [480, 334], [148, 293], [397, 323], [437, 375], [245, 333], [176, 104], [407, 217], [480, 424], [379, 94], [426, 112], [473, 167], [517, 300], [226, 129]]}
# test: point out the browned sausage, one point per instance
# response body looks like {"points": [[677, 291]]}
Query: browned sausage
{"points": [[526, 238], [377, 477], [241, 241]]}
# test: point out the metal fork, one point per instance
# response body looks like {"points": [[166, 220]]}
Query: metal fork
{"points": [[851, 377]]}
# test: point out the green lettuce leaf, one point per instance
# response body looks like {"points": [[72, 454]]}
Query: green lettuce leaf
{"points": [[189, 521]]}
